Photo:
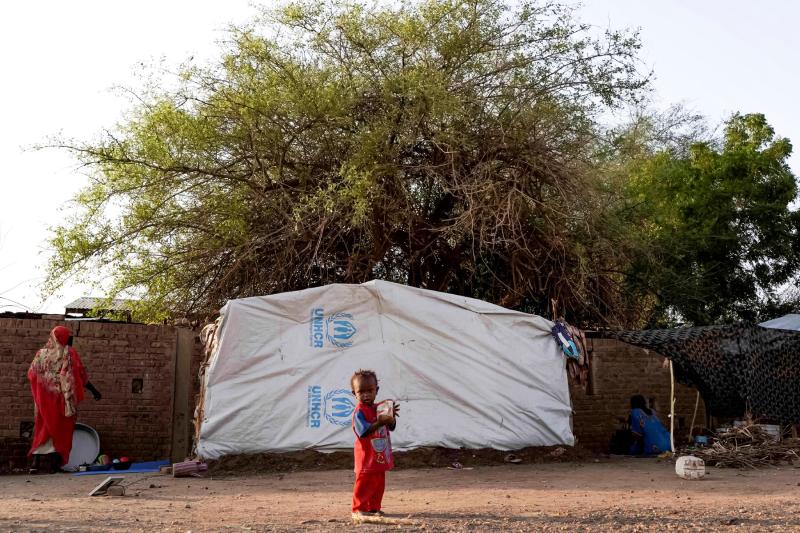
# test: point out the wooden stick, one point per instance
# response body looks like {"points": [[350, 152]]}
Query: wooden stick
{"points": [[694, 415], [671, 407]]}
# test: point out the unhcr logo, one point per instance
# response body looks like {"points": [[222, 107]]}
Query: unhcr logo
{"points": [[339, 406], [314, 406], [315, 334], [336, 407], [338, 329]]}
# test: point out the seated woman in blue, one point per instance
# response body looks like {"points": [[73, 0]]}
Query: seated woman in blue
{"points": [[650, 437]]}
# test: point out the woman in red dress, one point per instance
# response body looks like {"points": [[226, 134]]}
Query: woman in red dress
{"points": [[57, 378]]}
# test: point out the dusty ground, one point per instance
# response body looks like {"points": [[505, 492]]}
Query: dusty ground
{"points": [[612, 495], [427, 457]]}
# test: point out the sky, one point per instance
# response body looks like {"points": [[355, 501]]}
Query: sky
{"points": [[63, 64]]}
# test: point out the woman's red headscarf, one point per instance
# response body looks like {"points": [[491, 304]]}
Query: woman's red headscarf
{"points": [[52, 369], [61, 334]]}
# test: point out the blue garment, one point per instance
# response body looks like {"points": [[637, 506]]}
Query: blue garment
{"points": [[655, 437], [360, 424], [564, 340]]}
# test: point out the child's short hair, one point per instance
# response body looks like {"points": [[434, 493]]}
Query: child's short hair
{"points": [[361, 373]]}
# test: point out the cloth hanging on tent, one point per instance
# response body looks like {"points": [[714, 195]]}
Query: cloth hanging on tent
{"points": [[578, 368], [737, 369], [564, 340]]}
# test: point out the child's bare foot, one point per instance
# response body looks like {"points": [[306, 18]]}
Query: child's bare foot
{"points": [[360, 516]]}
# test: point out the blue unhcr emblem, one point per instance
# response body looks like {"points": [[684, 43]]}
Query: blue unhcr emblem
{"points": [[340, 329], [339, 406]]}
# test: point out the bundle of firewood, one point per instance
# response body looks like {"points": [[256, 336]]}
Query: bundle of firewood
{"points": [[748, 446]]}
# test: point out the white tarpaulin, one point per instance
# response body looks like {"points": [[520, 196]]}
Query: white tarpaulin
{"points": [[467, 373], [791, 322]]}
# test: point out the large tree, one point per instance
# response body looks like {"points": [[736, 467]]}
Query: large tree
{"points": [[718, 237], [446, 144]]}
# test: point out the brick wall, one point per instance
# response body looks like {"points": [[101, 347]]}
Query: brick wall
{"points": [[136, 424], [619, 371], [140, 424]]}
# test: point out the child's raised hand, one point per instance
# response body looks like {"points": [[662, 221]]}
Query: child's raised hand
{"points": [[385, 420], [396, 410]]}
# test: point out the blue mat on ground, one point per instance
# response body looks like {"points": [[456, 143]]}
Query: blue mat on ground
{"points": [[136, 468]]}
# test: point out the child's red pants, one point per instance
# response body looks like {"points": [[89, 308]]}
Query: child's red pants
{"points": [[368, 491]]}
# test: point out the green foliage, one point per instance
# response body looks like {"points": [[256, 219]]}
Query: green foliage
{"points": [[717, 232], [446, 144]]}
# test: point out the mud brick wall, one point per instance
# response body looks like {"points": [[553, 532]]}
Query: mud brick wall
{"points": [[618, 372], [132, 365], [133, 421]]}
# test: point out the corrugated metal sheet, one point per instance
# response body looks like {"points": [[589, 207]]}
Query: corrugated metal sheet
{"points": [[87, 303]]}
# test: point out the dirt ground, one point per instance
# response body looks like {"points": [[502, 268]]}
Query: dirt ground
{"points": [[608, 495], [426, 457]]}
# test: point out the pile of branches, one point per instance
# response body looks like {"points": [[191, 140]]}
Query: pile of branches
{"points": [[748, 446]]}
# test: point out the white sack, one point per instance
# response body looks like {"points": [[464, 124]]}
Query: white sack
{"points": [[467, 373]]}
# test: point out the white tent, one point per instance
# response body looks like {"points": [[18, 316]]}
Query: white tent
{"points": [[791, 322], [467, 373]]}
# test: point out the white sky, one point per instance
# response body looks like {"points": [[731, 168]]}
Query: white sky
{"points": [[60, 61]]}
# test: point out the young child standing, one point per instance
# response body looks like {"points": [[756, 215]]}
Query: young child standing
{"points": [[373, 447]]}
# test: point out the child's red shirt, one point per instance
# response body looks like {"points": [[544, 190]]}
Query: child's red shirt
{"points": [[373, 452]]}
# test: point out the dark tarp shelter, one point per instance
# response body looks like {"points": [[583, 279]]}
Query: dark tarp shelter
{"points": [[737, 369]]}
